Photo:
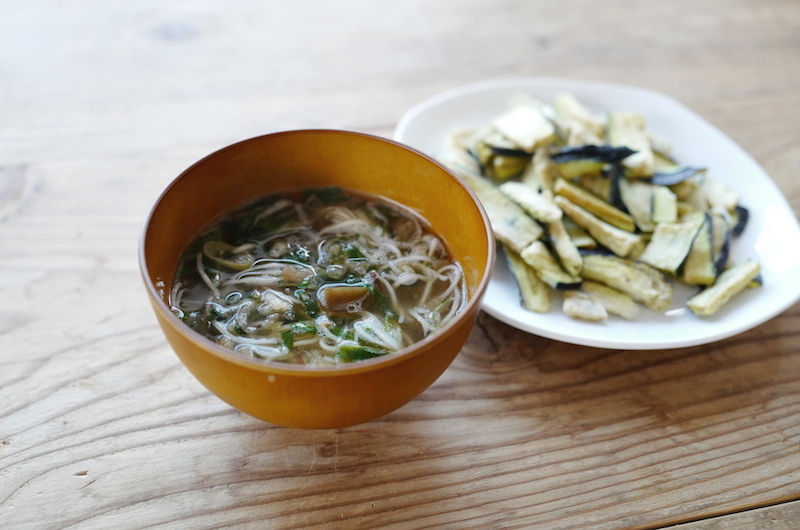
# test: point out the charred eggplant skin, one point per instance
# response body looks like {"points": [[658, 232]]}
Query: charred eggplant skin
{"points": [[508, 151], [670, 178], [742, 216], [599, 153]]}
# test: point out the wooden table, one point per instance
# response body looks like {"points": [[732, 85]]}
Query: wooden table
{"points": [[102, 104]]}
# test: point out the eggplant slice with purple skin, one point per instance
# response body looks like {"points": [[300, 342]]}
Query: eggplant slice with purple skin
{"points": [[574, 161], [601, 182], [675, 175]]}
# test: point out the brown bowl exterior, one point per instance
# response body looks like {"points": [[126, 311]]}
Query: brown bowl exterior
{"points": [[299, 396]]}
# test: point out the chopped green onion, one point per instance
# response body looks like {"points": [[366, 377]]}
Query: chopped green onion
{"points": [[288, 339], [359, 353]]}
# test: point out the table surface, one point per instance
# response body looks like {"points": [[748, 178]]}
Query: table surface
{"points": [[102, 104]]}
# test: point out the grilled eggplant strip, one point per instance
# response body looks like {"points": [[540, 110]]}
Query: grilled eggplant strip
{"points": [[579, 237], [526, 127], [547, 268], [674, 175], [719, 195], [616, 302], [614, 175], [729, 284], [457, 153], [540, 206], [568, 107], [541, 172], [580, 168], [510, 152], [686, 189], [605, 154], [637, 197], [510, 224], [721, 236], [574, 161], [662, 159], [503, 168], [568, 254], [534, 293], [575, 133], [613, 179], [627, 129], [671, 243], [499, 158], [580, 305], [665, 205], [700, 267], [601, 186], [741, 216], [489, 142], [643, 283], [594, 205], [617, 241], [684, 209]]}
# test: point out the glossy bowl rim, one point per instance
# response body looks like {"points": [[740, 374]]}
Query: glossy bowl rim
{"points": [[317, 371]]}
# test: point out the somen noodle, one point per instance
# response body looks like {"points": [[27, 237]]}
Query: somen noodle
{"points": [[319, 276]]}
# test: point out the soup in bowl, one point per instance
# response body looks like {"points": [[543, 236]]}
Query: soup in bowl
{"points": [[317, 278]]}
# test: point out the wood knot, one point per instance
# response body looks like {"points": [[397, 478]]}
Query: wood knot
{"points": [[328, 450]]}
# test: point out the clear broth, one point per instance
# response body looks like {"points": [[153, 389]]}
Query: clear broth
{"points": [[318, 276]]}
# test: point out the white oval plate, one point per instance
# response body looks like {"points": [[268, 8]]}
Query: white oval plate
{"points": [[772, 236]]}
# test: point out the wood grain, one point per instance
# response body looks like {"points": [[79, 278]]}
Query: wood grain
{"points": [[100, 425]]}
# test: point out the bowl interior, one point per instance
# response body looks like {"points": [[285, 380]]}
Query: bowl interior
{"points": [[297, 159]]}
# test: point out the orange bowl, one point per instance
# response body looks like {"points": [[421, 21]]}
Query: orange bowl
{"points": [[297, 395]]}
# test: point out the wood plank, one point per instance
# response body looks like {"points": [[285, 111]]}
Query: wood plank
{"points": [[779, 517]]}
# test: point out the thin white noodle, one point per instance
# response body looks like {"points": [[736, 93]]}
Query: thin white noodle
{"points": [[265, 280], [274, 208], [423, 299], [414, 240], [400, 267], [377, 214], [432, 277], [417, 263], [426, 325], [435, 247], [388, 246], [305, 342], [204, 276], [242, 248], [272, 354], [279, 262], [242, 340], [413, 258], [334, 345], [301, 214], [329, 345], [262, 267], [346, 227], [177, 294], [454, 308], [455, 279], [393, 299], [384, 338], [405, 282]]}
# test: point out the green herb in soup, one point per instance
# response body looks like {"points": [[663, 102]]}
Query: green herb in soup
{"points": [[318, 277]]}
